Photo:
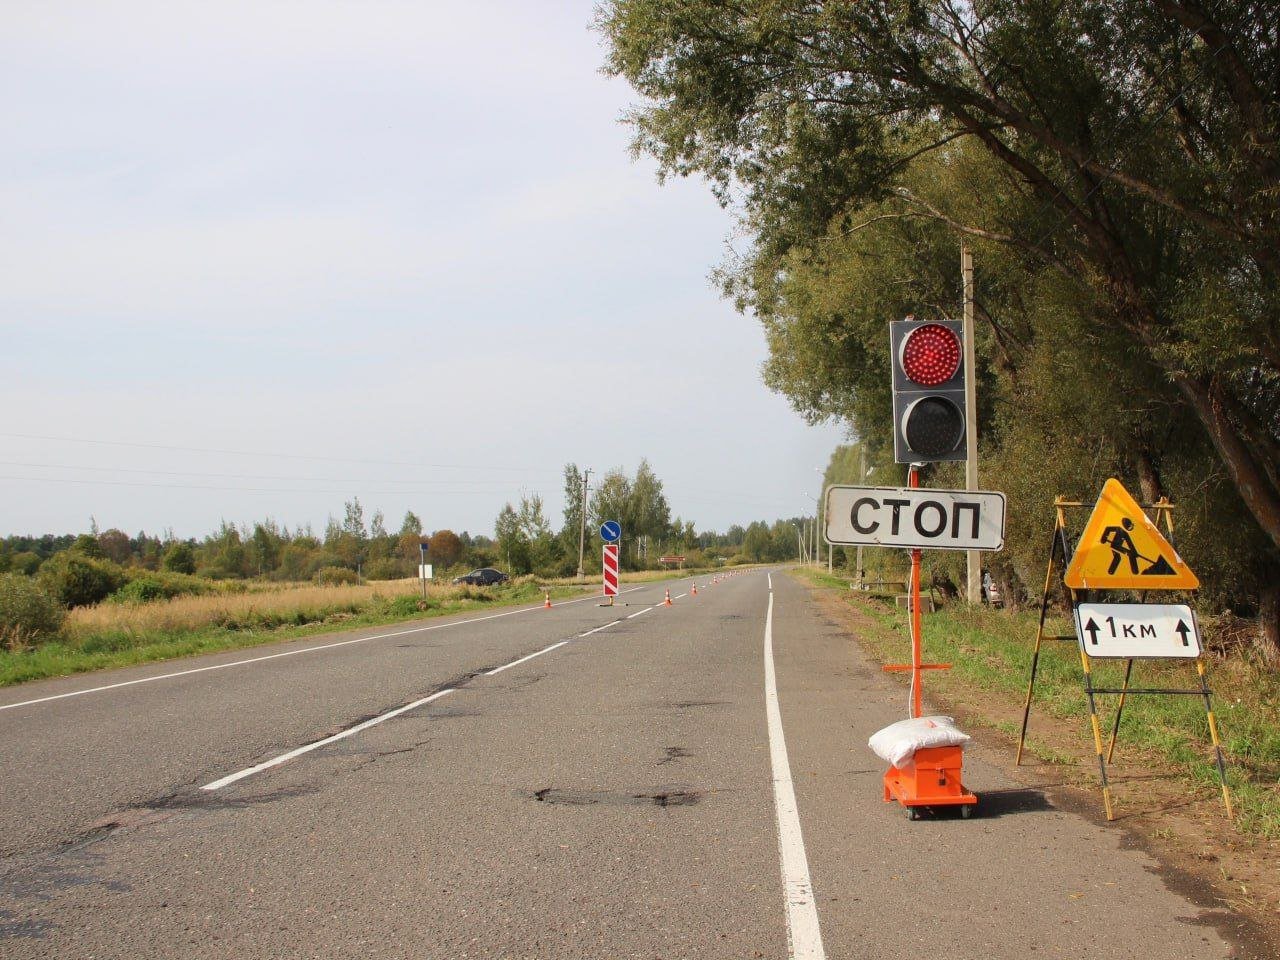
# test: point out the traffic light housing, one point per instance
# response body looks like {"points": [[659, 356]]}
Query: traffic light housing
{"points": [[927, 358]]}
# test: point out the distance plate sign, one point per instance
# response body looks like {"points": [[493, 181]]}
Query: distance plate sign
{"points": [[1137, 631], [915, 518]]}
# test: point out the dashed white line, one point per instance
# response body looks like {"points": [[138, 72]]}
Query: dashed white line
{"points": [[804, 936], [374, 721], [516, 663], [290, 653], [350, 731]]}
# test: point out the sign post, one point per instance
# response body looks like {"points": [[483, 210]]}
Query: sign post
{"points": [[424, 568], [1122, 549], [611, 534]]}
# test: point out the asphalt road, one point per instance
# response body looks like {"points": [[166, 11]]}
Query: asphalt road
{"points": [[634, 788]]}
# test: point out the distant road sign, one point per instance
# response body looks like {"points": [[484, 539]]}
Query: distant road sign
{"points": [[915, 518], [1121, 549], [1132, 631], [610, 531], [610, 569], [424, 571], [671, 559]]}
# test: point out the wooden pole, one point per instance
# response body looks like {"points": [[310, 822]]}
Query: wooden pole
{"points": [[973, 560]]}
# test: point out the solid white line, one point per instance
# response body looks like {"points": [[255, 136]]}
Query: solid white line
{"points": [[293, 653], [350, 731], [804, 937], [516, 663], [637, 613]]}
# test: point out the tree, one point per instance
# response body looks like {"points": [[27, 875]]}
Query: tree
{"points": [[1120, 160], [444, 548], [179, 558], [513, 545], [647, 508], [115, 545], [571, 526]]}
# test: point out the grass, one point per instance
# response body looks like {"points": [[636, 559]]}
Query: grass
{"points": [[990, 652], [120, 634], [116, 635]]}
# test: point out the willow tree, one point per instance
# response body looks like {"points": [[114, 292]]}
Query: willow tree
{"points": [[1131, 149]]}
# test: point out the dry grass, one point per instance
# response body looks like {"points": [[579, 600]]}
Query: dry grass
{"points": [[262, 606]]}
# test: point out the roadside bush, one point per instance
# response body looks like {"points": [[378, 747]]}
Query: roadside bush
{"points": [[387, 568], [160, 586], [24, 561], [75, 580], [28, 612], [335, 576], [179, 558]]}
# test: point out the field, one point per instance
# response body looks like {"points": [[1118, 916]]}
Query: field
{"points": [[119, 634]]}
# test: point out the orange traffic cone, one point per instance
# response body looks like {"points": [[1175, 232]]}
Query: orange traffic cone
{"points": [[546, 603], [667, 602], [693, 591]]}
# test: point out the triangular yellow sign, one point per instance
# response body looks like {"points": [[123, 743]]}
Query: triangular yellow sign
{"points": [[1121, 549]]}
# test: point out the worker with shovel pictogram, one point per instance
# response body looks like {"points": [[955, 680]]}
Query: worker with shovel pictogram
{"points": [[1123, 548]]}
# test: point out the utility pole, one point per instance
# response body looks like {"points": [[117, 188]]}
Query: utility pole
{"points": [[973, 563], [582, 532], [862, 475]]}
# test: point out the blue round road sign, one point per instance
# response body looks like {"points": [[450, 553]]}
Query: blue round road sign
{"points": [[610, 531]]}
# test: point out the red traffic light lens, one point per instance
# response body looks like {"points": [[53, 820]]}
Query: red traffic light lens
{"points": [[931, 355]]}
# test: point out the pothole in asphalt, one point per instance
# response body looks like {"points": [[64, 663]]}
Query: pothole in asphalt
{"points": [[689, 704], [586, 798]]}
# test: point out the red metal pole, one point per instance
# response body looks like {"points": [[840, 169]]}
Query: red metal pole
{"points": [[917, 695]]}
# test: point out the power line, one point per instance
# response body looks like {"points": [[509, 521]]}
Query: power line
{"points": [[260, 453], [239, 476], [230, 489]]}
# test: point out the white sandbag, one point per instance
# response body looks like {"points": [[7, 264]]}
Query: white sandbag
{"points": [[898, 742]]}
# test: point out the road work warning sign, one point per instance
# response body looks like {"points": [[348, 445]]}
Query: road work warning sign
{"points": [[1121, 549]]}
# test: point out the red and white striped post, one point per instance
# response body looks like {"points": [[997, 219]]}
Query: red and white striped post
{"points": [[610, 571]]}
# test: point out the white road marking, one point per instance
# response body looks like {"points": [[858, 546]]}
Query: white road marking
{"points": [[516, 663], [804, 936], [374, 721], [770, 576], [291, 653], [317, 744]]}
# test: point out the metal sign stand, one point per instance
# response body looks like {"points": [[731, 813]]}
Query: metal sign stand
{"points": [[1060, 552], [936, 777]]}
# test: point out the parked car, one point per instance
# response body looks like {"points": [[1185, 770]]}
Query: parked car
{"points": [[484, 577]]}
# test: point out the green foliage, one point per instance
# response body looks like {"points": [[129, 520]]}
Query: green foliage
{"points": [[25, 562], [387, 568], [334, 576], [1128, 276], [150, 587], [179, 558], [77, 580], [29, 614]]}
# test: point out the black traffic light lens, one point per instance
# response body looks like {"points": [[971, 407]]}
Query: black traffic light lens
{"points": [[933, 426]]}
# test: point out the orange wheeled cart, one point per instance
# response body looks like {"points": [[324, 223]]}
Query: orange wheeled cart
{"points": [[932, 781]]}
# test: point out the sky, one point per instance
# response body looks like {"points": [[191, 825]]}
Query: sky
{"points": [[260, 258]]}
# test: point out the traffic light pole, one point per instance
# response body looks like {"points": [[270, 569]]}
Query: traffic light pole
{"points": [[917, 696]]}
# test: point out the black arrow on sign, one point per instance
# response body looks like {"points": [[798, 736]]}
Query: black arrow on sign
{"points": [[1183, 629], [1093, 631]]}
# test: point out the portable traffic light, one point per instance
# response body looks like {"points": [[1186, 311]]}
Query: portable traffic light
{"points": [[928, 390]]}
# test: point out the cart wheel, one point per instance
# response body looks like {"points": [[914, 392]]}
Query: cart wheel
{"points": [[913, 813], [966, 811]]}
